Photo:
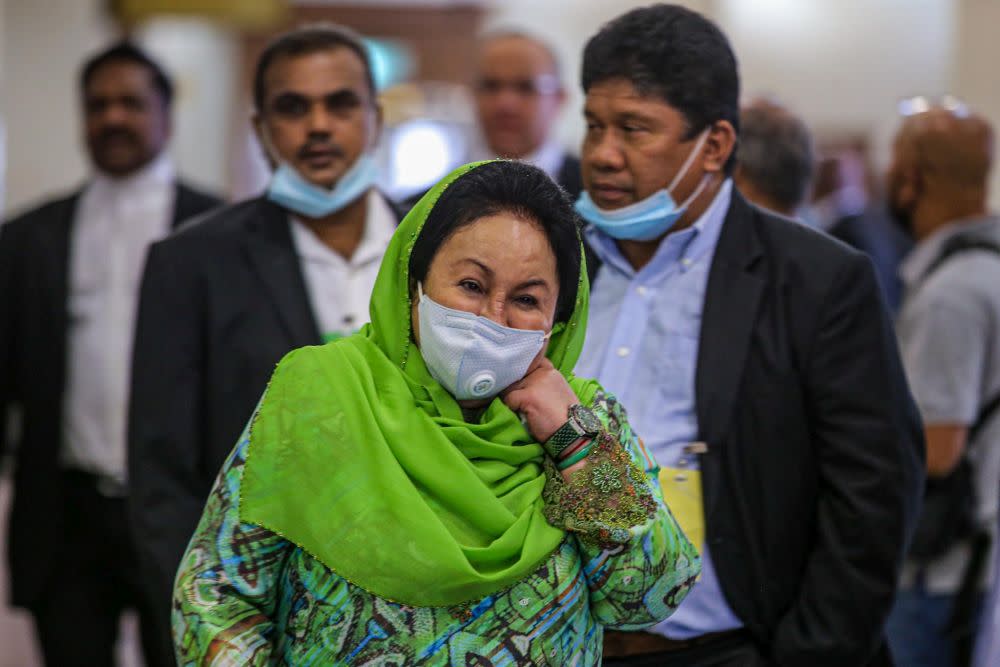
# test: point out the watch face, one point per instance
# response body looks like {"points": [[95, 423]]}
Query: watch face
{"points": [[586, 418]]}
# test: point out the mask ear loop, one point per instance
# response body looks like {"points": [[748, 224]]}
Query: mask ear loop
{"points": [[690, 159]]}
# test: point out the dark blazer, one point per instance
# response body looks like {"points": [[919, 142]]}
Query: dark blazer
{"points": [[569, 176], [222, 302], [873, 233], [34, 283], [814, 471]]}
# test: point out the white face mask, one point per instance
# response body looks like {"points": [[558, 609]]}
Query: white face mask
{"points": [[472, 356]]}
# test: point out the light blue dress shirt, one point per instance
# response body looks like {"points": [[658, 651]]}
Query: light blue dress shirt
{"points": [[642, 345]]}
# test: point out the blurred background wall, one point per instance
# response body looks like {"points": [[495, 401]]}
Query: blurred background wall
{"points": [[843, 64]]}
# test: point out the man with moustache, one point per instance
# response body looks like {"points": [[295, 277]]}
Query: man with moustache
{"points": [[519, 95], [757, 361], [69, 281], [948, 331], [226, 298]]}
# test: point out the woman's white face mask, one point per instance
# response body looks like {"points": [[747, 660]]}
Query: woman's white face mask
{"points": [[472, 356]]}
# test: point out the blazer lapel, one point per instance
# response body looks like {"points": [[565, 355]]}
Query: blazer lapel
{"points": [[59, 255], [272, 253], [732, 298], [183, 206]]}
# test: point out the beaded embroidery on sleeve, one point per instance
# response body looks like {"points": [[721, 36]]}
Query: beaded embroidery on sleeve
{"points": [[610, 495]]}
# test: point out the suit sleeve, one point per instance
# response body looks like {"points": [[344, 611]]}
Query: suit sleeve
{"points": [[7, 324], [165, 419], [869, 440]]}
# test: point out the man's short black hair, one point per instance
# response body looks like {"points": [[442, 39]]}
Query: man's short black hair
{"points": [[127, 52], [776, 154], [672, 53], [506, 186], [305, 40]]}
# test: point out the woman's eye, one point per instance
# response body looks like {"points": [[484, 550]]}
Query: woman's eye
{"points": [[527, 300], [470, 285]]}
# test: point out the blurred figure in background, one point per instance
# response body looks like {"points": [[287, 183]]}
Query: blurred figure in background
{"points": [[225, 299], [69, 282], [840, 207], [938, 183], [776, 159], [756, 359], [519, 95]]}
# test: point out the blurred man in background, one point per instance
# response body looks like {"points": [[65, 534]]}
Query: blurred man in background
{"points": [[948, 331], [69, 282], [757, 363], [225, 299], [841, 208], [776, 158], [519, 95]]}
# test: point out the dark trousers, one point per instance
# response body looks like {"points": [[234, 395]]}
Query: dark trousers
{"points": [[96, 580], [737, 650]]}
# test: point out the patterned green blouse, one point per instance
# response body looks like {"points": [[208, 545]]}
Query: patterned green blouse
{"points": [[246, 596]]}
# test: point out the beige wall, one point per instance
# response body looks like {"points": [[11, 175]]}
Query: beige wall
{"points": [[841, 63], [976, 79], [42, 44]]}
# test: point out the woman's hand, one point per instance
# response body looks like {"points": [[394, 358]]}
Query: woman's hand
{"points": [[542, 397]]}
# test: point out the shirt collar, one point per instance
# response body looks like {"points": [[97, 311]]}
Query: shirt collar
{"points": [[380, 225], [158, 172], [925, 253], [548, 157], [692, 243]]}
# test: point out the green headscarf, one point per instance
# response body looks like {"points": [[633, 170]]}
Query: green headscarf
{"points": [[361, 458]]}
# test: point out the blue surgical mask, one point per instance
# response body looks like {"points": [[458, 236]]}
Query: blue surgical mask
{"points": [[289, 190], [472, 356], [647, 219]]}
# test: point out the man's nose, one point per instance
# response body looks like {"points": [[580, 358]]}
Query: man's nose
{"points": [[604, 153]]}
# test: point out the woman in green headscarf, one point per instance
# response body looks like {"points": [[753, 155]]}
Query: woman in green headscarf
{"points": [[439, 488]]}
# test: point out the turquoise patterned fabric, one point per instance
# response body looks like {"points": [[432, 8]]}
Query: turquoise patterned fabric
{"points": [[246, 596]]}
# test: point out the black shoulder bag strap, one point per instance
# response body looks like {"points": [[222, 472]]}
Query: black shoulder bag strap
{"points": [[963, 622]]}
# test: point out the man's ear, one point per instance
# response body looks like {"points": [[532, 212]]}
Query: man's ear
{"points": [[719, 145], [263, 139]]}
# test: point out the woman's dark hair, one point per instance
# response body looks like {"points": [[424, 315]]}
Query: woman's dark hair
{"points": [[672, 53], [127, 52], [506, 187]]}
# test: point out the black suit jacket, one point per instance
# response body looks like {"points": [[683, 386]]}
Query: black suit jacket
{"points": [[222, 302], [873, 233], [34, 284], [569, 176], [814, 471]]}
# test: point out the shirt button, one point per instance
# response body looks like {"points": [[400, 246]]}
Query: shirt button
{"points": [[686, 262], [641, 289], [524, 602], [627, 579], [623, 351]]}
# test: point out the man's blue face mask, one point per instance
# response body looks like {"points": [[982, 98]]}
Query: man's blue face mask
{"points": [[647, 219], [290, 190]]}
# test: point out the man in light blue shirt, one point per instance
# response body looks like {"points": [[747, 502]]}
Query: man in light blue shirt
{"points": [[756, 361], [642, 343]]}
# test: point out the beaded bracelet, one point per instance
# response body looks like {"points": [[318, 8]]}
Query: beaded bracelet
{"points": [[572, 449], [580, 455]]}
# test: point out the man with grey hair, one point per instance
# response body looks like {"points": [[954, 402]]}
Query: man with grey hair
{"points": [[776, 158], [519, 95]]}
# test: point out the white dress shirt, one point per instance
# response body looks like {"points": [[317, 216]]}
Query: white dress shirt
{"points": [[548, 157], [115, 221], [340, 289]]}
